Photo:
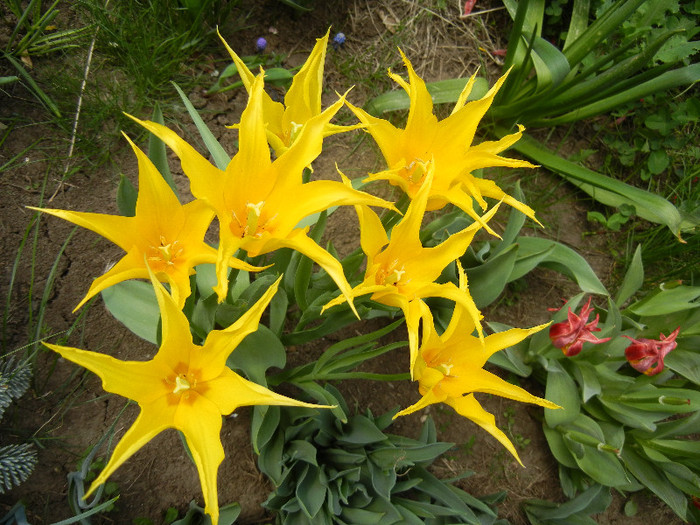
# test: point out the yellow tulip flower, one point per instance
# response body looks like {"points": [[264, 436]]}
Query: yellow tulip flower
{"points": [[258, 202], [185, 386], [302, 102], [400, 271], [166, 234], [449, 369], [447, 144]]}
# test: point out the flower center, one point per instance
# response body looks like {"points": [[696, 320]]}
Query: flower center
{"points": [[184, 384], [181, 384], [164, 255], [414, 172], [255, 224], [390, 275], [445, 368]]}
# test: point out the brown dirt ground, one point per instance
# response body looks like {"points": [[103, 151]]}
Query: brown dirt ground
{"points": [[66, 411]]}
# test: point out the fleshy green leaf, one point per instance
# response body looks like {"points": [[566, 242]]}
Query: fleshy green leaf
{"points": [[633, 278], [134, 304], [258, 352], [561, 390]]}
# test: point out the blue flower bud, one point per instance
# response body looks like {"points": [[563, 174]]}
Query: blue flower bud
{"points": [[338, 40], [260, 44]]}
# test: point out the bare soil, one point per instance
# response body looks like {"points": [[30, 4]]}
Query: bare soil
{"points": [[66, 411]]}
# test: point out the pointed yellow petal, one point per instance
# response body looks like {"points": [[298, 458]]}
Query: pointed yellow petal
{"points": [[385, 134], [230, 391], [416, 310], [303, 99], [464, 95], [405, 235], [421, 121], [202, 431], [488, 188], [372, 233], [451, 292], [157, 206], [177, 342], [317, 196], [305, 149], [463, 123], [300, 242], [228, 245], [151, 421], [501, 340], [463, 200], [470, 408], [253, 157], [131, 266], [247, 77], [220, 343], [455, 245], [205, 178], [131, 379], [359, 290], [428, 399], [479, 380], [119, 230], [273, 110]]}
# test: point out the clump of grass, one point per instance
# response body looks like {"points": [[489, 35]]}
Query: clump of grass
{"points": [[152, 41]]}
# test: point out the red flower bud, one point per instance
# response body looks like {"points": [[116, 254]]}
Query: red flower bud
{"points": [[570, 335], [647, 355]]}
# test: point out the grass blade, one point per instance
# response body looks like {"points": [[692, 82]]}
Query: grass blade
{"points": [[33, 86]]}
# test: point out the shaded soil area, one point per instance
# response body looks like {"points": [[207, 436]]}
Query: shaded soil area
{"points": [[66, 412]]}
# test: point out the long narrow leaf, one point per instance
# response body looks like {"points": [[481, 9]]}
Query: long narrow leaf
{"points": [[579, 22], [600, 86], [33, 86], [564, 260], [609, 191], [221, 158], [599, 30], [670, 79], [157, 152]]}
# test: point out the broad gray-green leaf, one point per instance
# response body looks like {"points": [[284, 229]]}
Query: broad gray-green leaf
{"points": [[561, 390], [442, 92], [565, 260], [134, 304]]}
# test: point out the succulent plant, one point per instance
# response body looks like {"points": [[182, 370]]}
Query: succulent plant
{"points": [[327, 471]]}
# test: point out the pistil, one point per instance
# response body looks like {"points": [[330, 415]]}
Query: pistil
{"points": [[181, 384], [254, 211]]}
